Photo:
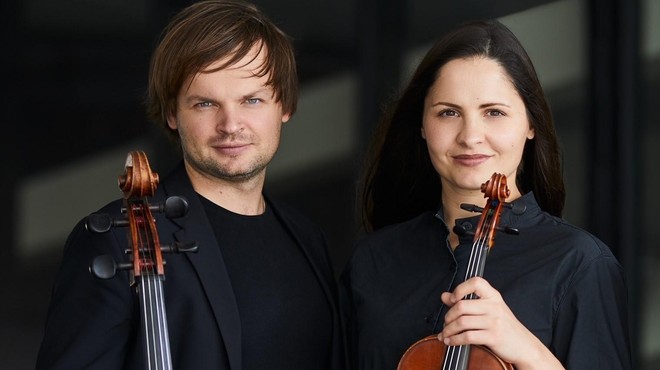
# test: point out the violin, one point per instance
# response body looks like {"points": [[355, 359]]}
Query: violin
{"points": [[146, 265], [429, 352]]}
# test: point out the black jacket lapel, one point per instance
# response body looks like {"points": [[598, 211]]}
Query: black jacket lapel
{"points": [[208, 263]]}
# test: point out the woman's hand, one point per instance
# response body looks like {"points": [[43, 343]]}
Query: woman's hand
{"points": [[488, 321]]}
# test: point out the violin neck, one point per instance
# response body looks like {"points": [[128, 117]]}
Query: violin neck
{"points": [[456, 357], [477, 261], [154, 323]]}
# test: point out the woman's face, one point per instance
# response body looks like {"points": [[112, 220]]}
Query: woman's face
{"points": [[474, 124]]}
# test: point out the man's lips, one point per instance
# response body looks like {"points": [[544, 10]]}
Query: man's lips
{"points": [[231, 148]]}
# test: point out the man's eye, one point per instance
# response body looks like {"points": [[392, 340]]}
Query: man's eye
{"points": [[252, 100], [203, 104]]}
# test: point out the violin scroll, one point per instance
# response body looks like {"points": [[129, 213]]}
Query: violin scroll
{"points": [[496, 188]]}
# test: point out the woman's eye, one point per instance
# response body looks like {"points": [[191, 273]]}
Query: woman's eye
{"points": [[448, 113], [495, 113]]}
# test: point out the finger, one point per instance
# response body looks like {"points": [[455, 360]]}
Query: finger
{"points": [[471, 337], [475, 285], [447, 299], [463, 324], [467, 307]]}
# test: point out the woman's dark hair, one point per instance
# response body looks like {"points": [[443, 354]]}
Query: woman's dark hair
{"points": [[399, 181], [206, 32]]}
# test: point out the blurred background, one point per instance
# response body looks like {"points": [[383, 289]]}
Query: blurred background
{"points": [[74, 80]]}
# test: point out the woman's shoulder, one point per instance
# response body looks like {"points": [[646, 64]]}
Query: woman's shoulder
{"points": [[422, 224], [400, 241], [575, 242]]}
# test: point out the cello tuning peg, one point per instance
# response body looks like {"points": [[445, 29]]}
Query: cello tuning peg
{"points": [[174, 207], [471, 207], [105, 267], [178, 247], [102, 222], [98, 223]]}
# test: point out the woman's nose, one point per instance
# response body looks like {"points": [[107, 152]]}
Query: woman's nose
{"points": [[471, 132]]}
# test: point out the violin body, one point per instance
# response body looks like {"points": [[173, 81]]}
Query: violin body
{"points": [[429, 353]]}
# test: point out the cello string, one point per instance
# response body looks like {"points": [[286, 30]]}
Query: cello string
{"points": [[147, 289], [156, 283], [140, 267], [137, 185]]}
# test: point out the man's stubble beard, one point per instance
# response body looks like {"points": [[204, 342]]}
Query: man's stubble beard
{"points": [[210, 167]]}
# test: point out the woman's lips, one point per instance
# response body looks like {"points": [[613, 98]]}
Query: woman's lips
{"points": [[471, 160]]}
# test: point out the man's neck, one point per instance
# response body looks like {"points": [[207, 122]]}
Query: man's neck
{"points": [[242, 197]]}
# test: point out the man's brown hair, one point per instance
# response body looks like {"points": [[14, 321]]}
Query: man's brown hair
{"points": [[206, 32]]}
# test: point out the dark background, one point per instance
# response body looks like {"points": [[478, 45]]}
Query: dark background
{"points": [[74, 75]]}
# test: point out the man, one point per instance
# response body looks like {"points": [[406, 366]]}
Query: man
{"points": [[260, 291]]}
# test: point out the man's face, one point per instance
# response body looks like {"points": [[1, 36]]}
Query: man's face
{"points": [[229, 121]]}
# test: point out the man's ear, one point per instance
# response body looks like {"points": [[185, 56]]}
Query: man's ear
{"points": [[171, 121]]}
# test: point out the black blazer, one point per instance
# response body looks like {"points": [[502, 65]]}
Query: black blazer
{"points": [[94, 323]]}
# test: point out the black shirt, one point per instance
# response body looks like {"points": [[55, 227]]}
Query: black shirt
{"points": [[286, 322], [561, 282]]}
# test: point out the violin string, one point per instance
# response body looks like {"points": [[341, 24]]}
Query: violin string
{"points": [[478, 254]]}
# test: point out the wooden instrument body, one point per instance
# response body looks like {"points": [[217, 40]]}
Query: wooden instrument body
{"points": [[429, 353]]}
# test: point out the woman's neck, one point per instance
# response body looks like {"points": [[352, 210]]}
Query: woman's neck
{"points": [[452, 211]]}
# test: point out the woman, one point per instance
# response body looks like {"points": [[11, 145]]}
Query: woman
{"points": [[552, 297]]}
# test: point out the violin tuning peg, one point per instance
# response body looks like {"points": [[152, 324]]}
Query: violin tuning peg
{"points": [[461, 231], [517, 209], [471, 207], [509, 230]]}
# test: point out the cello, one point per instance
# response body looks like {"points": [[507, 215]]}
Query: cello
{"points": [[429, 352], [146, 265]]}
